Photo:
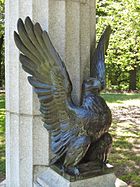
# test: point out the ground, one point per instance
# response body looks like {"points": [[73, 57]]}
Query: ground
{"points": [[125, 129], [125, 155]]}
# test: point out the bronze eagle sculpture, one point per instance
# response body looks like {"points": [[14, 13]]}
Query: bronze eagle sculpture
{"points": [[78, 133]]}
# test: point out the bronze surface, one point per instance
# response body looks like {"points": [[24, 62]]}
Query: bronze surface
{"points": [[79, 135]]}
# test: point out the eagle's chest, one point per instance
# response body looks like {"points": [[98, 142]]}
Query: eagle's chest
{"points": [[99, 114], [95, 104]]}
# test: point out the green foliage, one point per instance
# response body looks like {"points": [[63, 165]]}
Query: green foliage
{"points": [[1, 17], [124, 49], [2, 66]]}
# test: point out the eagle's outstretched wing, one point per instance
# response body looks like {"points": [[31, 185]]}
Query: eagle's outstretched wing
{"points": [[97, 69], [50, 81]]}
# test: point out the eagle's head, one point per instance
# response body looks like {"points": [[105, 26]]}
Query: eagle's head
{"points": [[91, 85]]}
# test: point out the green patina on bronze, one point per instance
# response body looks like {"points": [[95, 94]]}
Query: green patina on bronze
{"points": [[79, 135]]}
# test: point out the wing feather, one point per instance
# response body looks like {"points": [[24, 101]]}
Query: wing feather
{"points": [[26, 40], [98, 62], [50, 80], [24, 50]]}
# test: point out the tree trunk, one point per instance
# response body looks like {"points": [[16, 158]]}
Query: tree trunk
{"points": [[1, 74], [132, 79]]}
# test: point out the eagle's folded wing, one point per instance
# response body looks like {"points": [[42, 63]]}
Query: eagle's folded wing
{"points": [[50, 81]]}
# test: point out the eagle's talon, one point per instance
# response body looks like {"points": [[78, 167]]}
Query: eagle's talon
{"points": [[76, 171], [72, 171], [63, 169]]}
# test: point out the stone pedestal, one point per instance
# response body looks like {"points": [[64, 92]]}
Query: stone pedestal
{"points": [[71, 26], [50, 178]]}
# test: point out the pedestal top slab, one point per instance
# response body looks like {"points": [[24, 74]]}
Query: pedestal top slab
{"points": [[50, 178]]}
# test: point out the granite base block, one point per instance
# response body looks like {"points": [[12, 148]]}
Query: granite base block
{"points": [[3, 183], [50, 178]]}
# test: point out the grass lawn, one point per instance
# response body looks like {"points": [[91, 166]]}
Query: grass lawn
{"points": [[125, 130], [2, 137], [121, 98]]}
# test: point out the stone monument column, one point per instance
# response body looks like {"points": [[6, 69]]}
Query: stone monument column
{"points": [[71, 26]]}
